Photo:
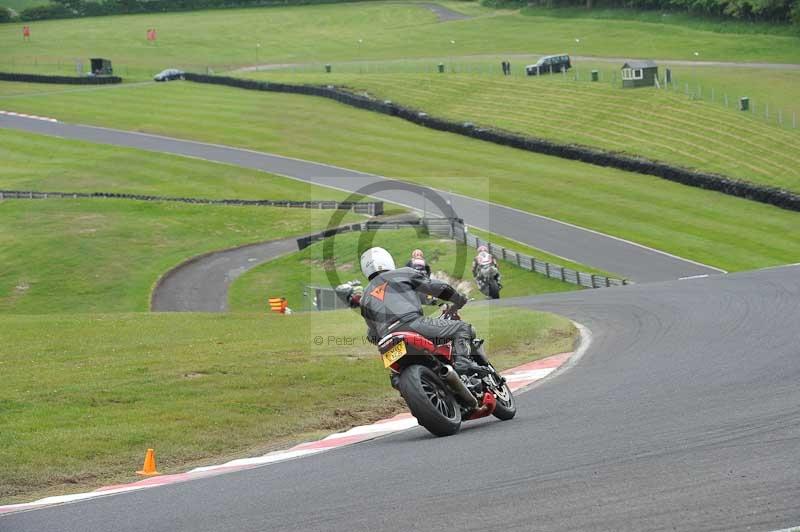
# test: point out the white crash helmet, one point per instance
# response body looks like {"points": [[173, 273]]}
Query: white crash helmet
{"points": [[375, 260]]}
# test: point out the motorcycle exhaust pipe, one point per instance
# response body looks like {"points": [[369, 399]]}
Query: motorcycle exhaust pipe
{"points": [[458, 386]]}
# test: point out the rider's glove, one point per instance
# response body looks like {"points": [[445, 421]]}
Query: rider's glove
{"points": [[459, 300]]}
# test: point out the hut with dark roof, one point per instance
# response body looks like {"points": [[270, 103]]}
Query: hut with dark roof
{"points": [[639, 74]]}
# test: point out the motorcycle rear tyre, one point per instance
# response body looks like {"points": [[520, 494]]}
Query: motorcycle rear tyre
{"points": [[417, 383]]}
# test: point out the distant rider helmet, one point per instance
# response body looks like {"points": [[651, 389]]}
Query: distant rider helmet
{"points": [[483, 249], [374, 261], [417, 254]]}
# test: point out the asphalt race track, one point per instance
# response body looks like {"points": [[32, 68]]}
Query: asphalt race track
{"points": [[684, 414], [627, 259]]}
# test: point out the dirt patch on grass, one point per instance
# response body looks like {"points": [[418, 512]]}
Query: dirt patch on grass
{"points": [[346, 418], [462, 285]]}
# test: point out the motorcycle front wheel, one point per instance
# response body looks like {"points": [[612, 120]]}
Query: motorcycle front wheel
{"points": [[506, 407], [430, 401]]}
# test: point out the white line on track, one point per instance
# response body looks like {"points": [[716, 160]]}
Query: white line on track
{"points": [[23, 115]]}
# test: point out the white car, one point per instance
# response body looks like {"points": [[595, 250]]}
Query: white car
{"points": [[169, 74]]}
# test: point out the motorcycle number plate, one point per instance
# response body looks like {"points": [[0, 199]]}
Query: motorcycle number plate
{"points": [[394, 354]]}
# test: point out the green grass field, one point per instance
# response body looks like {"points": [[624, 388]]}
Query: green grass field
{"points": [[705, 226], [374, 31], [777, 87], [198, 388], [289, 276], [658, 124], [42, 163], [63, 256], [766, 87]]}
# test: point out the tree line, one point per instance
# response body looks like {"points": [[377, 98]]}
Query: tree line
{"points": [[777, 11]]}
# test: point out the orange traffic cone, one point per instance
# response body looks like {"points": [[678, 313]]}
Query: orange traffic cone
{"points": [[149, 467]]}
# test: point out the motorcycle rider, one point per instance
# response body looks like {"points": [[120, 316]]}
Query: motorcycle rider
{"points": [[418, 262], [484, 258], [391, 303]]}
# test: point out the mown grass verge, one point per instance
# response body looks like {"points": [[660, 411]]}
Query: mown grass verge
{"points": [[289, 276], [84, 396]]}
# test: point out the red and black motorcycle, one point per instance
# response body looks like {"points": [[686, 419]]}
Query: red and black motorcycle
{"points": [[437, 396]]}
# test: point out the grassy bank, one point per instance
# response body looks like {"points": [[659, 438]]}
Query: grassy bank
{"points": [[289, 276], [198, 388], [106, 255], [657, 124], [361, 30]]}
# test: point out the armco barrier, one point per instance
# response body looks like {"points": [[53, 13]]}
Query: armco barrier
{"points": [[743, 189], [64, 80], [456, 230], [370, 208]]}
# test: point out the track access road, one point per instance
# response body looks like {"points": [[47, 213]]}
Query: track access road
{"points": [[635, 262], [684, 414]]}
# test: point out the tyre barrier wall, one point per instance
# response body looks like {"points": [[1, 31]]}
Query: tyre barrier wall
{"points": [[326, 298], [733, 187], [69, 80], [370, 208]]}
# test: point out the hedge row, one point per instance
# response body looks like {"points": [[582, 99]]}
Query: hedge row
{"points": [[369, 207], [70, 80], [734, 187]]}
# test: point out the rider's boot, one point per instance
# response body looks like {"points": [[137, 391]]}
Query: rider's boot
{"points": [[394, 379], [466, 366]]}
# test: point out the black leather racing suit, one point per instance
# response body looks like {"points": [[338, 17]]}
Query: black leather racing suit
{"points": [[390, 303]]}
